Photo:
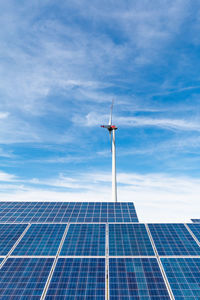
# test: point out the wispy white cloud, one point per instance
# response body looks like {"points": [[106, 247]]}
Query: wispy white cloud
{"points": [[94, 119], [7, 177]]}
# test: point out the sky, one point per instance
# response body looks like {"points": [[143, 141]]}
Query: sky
{"points": [[62, 63]]}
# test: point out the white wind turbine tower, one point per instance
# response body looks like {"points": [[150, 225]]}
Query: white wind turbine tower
{"points": [[111, 128]]}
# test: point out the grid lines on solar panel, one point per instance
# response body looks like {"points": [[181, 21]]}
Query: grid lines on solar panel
{"points": [[195, 228], [9, 234], [136, 278], [184, 277], [78, 278], [173, 239], [41, 239], [129, 239], [85, 239], [57, 212], [24, 278]]}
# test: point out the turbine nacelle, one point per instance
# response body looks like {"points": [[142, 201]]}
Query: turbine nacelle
{"points": [[109, 127]]}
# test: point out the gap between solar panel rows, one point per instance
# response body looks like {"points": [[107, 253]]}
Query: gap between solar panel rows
{"points": [[138, 277]]}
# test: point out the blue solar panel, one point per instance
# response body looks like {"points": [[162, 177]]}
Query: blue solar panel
{"points": [[195, 220], [24, 278], [195, 228], [78, 278], [173, 239], [9, 234], [136, 278], [63, 212], [129, 239], [184, 277], [41, 239], [84, 239]]}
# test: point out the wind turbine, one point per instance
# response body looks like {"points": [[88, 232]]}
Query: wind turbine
{"points": [[112, 128]]}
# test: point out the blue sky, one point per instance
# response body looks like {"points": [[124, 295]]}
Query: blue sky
{"points": [[62, 63]]}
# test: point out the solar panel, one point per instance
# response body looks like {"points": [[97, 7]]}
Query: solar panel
{"points": [[9, 234], [129, 239], [63, 212], [173, 239], [195, 220], [24, 278], [78, 278], [184, 276], [136, 278], [195, 228], [84, 239], [41, 239]]}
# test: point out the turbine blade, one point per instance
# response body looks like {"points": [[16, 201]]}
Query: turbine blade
{"points": [[111, 109]]}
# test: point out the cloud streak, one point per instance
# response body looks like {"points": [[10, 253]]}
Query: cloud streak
{"points": [[94, 119]]}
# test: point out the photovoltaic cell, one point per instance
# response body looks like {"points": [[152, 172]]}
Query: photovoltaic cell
{"points": [[129, 239], [173, 239], [136, 278], [195, 220], [84, 239], [9, 234], [195, 228], [184, 277], [24, 278], [41, 239], [78, 278], [63, 212]]}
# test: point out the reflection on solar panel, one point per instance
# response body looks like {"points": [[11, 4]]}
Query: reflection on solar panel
{"points": [[78, 278], [41, 239], [24, 278], [195, 228], [9, 234], [129, 239], [84, 239], [173, 239], [195, 220], [184, 276], [136, 278], [56, 212]]}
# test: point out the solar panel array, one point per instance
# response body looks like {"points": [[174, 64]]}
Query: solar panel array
{"points": [[136, 278], [184, 276], [173, 239], [195, 220], [63, 212], [84, 240], [78, 278], [129, 240], [90, 259]]}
